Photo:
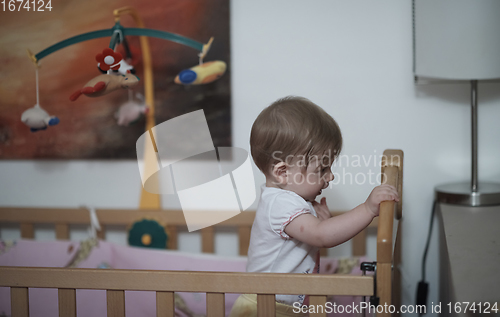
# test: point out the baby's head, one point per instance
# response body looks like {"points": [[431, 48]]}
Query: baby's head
{"points": [[294, 137]]}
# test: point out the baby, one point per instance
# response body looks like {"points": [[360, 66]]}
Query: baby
{"points": [[294, 143]]}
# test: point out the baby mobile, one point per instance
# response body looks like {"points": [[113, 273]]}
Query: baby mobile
{"points": [[118, 73]]}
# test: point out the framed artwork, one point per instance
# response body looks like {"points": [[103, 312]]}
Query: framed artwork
{"points": [[88, 128]]}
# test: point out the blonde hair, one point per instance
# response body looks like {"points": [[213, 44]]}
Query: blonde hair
{"points": [[290, 127]]}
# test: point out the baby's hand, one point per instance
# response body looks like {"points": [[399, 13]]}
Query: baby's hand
{"points": [[322, 209], [379, 194]]}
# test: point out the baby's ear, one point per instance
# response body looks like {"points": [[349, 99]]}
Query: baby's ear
{"points": [[279, 172]]}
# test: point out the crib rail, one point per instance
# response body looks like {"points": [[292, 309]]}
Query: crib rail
{"points": [[173, 220], [165, 283]]}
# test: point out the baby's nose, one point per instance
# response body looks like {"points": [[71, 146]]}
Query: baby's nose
{"points": [[328, 180]]}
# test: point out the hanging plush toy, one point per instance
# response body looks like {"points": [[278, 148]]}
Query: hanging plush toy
{"points": [[106, 83], [38, 119], [201, 74], [130, 112], [108, 59]]}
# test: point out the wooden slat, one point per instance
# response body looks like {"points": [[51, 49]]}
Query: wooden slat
{"points": [[172, 238], [165, 304], [186, 281], [118, 217], [62, 231], [215, 305], [319, 304], [27, 231], [67, 302], [19, 301], [359, 244], [244, 239], [101, 234], [266, 305], [323, 252], [115, 303], [384, 286], [207, 240]]}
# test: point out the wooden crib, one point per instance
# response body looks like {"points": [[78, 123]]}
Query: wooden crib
{"points": [[214, 284]]}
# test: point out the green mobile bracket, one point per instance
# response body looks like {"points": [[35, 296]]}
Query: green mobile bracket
{"points": [[115, 33]]}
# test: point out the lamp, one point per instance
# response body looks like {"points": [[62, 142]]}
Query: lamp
{"points": [[459, 40]]}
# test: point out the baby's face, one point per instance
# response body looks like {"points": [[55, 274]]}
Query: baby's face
{"points": [[309, 183]]}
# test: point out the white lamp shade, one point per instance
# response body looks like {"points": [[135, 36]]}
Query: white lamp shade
{"points": [[457, 39]]}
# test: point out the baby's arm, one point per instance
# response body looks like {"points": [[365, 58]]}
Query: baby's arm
{"points": [[336, 230]]}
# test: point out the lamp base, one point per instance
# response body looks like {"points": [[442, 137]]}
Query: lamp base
{"points": [[488, 194]]}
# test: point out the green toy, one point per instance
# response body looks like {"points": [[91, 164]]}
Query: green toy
{"points": [[147, 233]]}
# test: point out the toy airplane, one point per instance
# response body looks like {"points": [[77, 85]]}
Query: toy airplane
{"points": [[38, 119], [201, 74]]}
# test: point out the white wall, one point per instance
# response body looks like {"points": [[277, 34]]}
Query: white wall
{"points": [[353, 58]]}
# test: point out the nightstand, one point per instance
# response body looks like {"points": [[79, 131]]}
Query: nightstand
{"points": [[469, 259]]}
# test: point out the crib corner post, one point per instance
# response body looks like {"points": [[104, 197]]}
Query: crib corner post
{"points": [[384, 289]]}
